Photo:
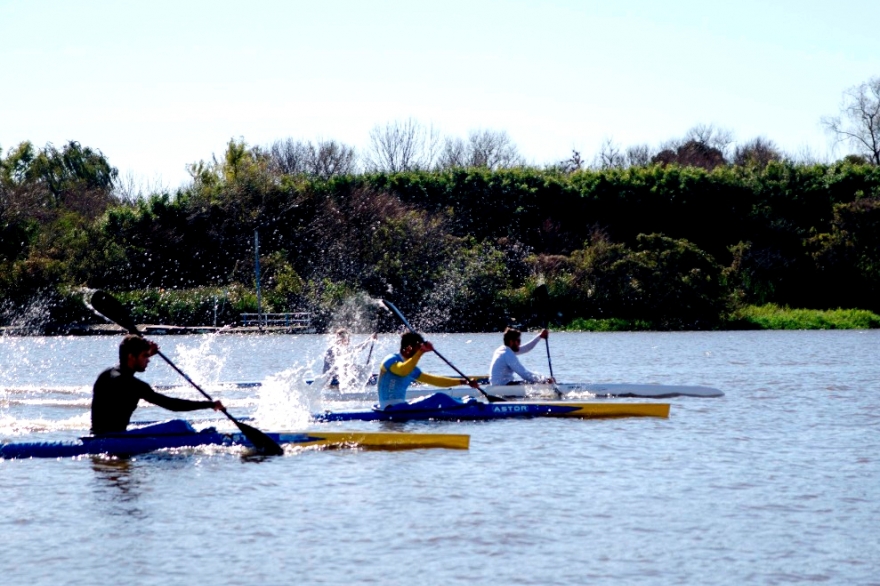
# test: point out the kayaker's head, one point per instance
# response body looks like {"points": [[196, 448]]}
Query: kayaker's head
{"points": [[410, 343], [134, 353], [512, 338], [342, 337]]}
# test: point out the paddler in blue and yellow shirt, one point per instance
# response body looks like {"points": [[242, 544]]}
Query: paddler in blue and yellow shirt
{"points": [[398, 371]]}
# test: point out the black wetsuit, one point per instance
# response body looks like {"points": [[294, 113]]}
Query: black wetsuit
{"points": [[115, 397]]}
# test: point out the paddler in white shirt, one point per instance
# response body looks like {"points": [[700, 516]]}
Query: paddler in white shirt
{"points": [[505, 362], [398, 371]]}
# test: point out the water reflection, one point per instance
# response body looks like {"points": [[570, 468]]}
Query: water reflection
{"points": [[117, 482]]}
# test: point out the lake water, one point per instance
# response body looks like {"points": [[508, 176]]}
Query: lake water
{"points": [[777, 482]]}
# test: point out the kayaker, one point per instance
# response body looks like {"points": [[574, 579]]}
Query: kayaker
{"points": [[339, 351], [117, 391], [398, 371], [505, 362]]}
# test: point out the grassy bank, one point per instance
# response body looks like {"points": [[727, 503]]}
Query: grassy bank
{"points": [[753, 317], [773, 317]]}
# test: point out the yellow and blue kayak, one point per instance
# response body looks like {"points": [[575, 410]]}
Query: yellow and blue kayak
{"points": [[180, 434], [440, 406]]}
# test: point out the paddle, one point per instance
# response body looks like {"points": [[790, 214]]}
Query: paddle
{"points": [[395, 311], [108, 306], [542, 298], [370, 353]]}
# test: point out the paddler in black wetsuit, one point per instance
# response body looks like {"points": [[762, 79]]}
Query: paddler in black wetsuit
{"points": [[116, 392]]}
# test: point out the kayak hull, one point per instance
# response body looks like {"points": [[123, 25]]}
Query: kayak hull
{"points": [[128, 444], [475, 410], [619, 390]]}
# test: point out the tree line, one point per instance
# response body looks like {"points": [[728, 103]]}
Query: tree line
{"points": [[458, 233]]}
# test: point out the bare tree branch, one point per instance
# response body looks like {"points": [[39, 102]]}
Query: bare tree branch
{"points": [[402, 146], [638, 156], [758, 152], [490, 149], [859, 121], [610, 156], [324, 159]]}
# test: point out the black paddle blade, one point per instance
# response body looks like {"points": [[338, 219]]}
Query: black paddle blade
{"points": [[262, 442], [108, 306], [541, 295], [542, 299], [399, 315]]}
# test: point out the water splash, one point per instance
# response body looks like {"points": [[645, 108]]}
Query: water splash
{"points": [[356, 313], [11, 426], [203, 363], [28, 319], [286, 400]]}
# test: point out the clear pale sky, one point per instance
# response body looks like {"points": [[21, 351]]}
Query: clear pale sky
{"points": [[158, 84]]}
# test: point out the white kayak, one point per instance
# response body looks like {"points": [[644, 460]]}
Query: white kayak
{"points": [[646, 391], [367, 392]]}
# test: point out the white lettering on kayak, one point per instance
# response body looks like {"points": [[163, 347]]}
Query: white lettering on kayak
{"points": [[510, 408]]}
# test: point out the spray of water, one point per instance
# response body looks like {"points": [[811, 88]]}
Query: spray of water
{"points": [[286, 400], [204, 362], [28, 319]]}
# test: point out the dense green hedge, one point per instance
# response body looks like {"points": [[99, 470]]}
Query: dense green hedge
{"points": [[663, 247]]}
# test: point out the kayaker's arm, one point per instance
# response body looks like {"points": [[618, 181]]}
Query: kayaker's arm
{"points": [[366, 342], [440, 381], [512, 362], [174, 404], [530, 344], [406, 367]]}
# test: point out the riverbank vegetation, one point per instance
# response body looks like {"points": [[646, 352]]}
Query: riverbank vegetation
{"points": [[699, 233]]}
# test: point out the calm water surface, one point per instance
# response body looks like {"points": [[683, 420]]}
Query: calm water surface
{"points": [[777, 482]]}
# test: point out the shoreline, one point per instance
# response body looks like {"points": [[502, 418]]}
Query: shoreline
{"points": [[149, 330]]}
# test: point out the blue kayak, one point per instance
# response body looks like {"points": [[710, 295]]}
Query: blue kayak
{"points": [[180, 434], [440, 406]]}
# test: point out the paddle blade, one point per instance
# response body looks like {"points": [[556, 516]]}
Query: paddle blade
{"points": [[399, 315], [542, 299], [108, 306], [262, 442], [541, 295]]}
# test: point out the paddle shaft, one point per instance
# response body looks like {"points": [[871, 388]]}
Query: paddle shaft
{"points": [[549, 362], [543, 297]]}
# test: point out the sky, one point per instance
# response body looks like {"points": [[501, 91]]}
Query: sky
{"points": [[156, 85]]}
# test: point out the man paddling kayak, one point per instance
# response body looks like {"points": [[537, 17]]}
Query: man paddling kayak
{"points": [[505, 362], [340, 355], [117, 391], [398, 371]]}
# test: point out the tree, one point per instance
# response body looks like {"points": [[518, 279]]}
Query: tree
{"points": [[758, 152], [493, 150], [324, 159], [289, 157], [332, 158], [638, 156], [610, 156], [489, 149], [859, 121], [703, 146], [402, 146]]}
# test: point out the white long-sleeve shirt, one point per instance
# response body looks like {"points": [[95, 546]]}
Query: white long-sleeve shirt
{"points": [[505, 363]]}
